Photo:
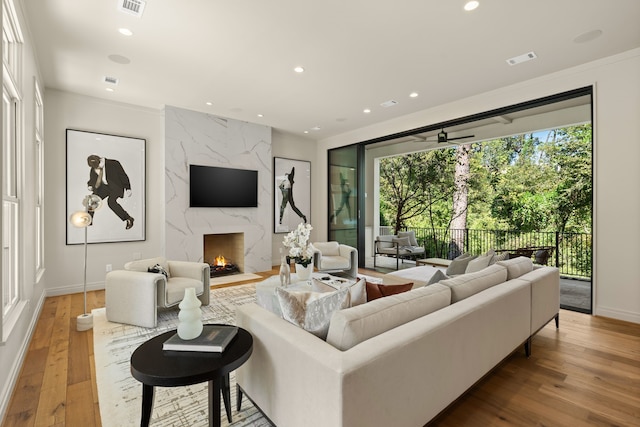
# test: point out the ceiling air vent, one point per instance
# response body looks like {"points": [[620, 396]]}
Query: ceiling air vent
{"points": [[132, 7], [389, 103], [111, 80], [521, 58]]}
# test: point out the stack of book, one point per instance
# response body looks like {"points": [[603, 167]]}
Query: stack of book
{"points": [[213, 339]]}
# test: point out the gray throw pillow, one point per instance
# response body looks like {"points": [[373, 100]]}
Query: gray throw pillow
{"points": [[437, 276], [458, 266]]}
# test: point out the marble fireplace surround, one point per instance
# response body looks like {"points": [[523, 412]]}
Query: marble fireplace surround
{"points": [[203, 139]]}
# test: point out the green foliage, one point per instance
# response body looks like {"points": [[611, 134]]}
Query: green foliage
{"points": [[530, 182]]}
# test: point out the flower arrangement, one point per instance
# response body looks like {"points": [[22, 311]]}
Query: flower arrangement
{"points": [[298, 243]]}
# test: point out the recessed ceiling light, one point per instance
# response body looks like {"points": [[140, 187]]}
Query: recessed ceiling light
{"points": [[306, 131], [299, 69], [125, 31], [119, 59], [108, 89], [209, 103], [260, 115], [366, 111], [471, 5], [413, 95], [588, 36]]}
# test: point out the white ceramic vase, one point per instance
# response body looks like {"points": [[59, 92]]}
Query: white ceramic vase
{"points": [[190, 316], [304, 273]]}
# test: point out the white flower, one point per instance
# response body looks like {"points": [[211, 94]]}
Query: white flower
{"points": [[298, 243]]}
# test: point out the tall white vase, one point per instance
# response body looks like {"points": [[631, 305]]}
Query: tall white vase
{"points": [[304, 273], [190, 316]]}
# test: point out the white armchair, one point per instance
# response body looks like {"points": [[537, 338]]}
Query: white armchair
{"points": [[133, 295], [333, 257]]}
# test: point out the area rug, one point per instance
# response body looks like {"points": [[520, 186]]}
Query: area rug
{"points": [[120, 395]]}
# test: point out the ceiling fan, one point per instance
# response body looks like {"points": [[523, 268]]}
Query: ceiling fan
{"points": [[442, 137]]}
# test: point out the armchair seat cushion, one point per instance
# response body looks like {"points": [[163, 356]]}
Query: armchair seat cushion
{"points": [[176, 286], [335, 262]]}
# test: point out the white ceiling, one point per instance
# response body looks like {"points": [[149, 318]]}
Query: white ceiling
{"points": [[240, 54]]}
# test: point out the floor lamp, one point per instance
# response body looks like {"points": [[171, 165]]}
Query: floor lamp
{"points": [[83, 219]]}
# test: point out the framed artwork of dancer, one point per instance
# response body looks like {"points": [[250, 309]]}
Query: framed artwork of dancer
{"points": [[112, 167], [292, 193]]}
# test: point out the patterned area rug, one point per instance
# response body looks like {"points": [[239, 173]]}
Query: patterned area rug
{"points": [[120, 395]]}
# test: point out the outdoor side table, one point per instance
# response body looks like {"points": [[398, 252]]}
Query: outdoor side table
{"points": [[153, 367]]}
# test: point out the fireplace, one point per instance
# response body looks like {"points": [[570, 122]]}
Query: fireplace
{"points": [[224, 252]]}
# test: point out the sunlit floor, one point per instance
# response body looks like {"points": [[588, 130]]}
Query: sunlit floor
{"points": [[574, 294]]}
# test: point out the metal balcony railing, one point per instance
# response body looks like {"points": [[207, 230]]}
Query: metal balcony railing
{"points": [[570, 252]]}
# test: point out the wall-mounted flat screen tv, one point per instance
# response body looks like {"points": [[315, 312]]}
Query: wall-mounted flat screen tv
{"points": [[215, 187]]}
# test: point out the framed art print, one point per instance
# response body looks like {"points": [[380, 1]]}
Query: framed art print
{"points": [[292, 193], [113, 168]]}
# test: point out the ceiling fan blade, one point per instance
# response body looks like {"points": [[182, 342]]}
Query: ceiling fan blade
{"points": [[460, 137]]}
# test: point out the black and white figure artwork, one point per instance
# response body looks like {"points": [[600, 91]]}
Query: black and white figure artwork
{"points": [[112, 167], [292, 193]]}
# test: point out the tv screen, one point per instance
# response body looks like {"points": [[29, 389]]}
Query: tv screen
{"points": [[214, 187]]}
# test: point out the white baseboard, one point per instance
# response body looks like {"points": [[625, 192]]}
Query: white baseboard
{"points": [[74, 289], [615, 313]]}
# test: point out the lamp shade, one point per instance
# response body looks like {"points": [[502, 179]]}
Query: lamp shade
{"points": [[80, 219], [92, 202]]}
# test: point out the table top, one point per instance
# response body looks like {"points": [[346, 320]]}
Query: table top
{"points": [[152, 365]]}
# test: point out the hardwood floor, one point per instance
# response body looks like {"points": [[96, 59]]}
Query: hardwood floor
{"points": [[587, 373]]}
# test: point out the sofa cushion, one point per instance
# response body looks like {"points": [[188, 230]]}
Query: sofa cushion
{"points": [[386, 242], [516, 267], [411, 235], [357, 289], [459, 265], [352, 326], [377, 290], [465, 285], [311, 310]]}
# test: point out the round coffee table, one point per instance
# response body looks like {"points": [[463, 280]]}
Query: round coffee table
{"points": [[153, 367]]}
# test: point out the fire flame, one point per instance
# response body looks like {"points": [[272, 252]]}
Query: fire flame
{"points": [[221, 261]]}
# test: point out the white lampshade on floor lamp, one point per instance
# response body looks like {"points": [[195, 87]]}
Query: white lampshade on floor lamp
{"points": [[82, 219]]}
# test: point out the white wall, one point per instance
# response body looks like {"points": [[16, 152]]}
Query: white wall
{"points": [[616, 150], [64, 262], [292, 146]]}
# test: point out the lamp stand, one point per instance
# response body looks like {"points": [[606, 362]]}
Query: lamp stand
{"points": [[85, 321]]}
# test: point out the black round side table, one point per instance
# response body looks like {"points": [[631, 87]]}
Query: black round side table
{"points": [[153, 366]]}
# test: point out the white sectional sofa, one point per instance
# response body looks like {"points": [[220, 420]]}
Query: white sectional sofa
{"points": [[398, 360]]}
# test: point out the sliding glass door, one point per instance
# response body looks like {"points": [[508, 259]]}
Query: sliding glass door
{"points": [[344, 197]]}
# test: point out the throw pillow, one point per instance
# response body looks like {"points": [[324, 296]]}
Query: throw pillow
{"points": [[478, 263], [503, 256], [357, 289], [411, 235], [459, 265], [403, 242], [158, 269], [437, 276], [376, 290], [312, 311]]}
